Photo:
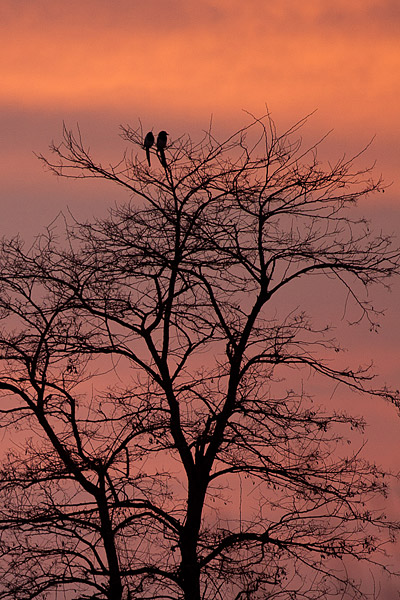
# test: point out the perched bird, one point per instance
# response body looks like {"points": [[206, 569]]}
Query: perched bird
{"points": [[147, 144], [161, 143]]}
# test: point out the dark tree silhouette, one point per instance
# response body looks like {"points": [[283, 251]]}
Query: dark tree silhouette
{"points": [[161, 444]]}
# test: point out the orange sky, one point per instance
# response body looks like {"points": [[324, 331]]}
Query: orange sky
{"points": [[202, 57], [173, 63]]}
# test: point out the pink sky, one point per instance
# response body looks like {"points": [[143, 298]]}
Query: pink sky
{"points": [[174, 63]]}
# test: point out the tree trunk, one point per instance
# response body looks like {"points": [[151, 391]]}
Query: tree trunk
{"points": [[190, 569], [115, 584]]}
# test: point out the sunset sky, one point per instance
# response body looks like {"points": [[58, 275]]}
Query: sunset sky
{"points": [[174, 63]]}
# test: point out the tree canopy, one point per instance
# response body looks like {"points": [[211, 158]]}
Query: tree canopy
{"points": [[152, 363]]}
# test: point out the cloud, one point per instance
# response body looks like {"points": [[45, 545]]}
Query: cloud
{"points": [[192, 55], [186, 59]]}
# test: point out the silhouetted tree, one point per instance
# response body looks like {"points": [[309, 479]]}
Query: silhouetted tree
{"points": [[151, 376]]}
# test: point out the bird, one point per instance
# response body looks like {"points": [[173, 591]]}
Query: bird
{"points": [[161, 143], [147, 144]]}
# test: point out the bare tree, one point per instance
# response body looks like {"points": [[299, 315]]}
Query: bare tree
{"points": [[152, 367]]}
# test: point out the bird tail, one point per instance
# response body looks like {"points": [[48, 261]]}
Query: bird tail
{"points": [[162, 158], [148, 156]]}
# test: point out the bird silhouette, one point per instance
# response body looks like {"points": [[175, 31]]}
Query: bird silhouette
{"points": [[161, 143], [147, 144]]}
